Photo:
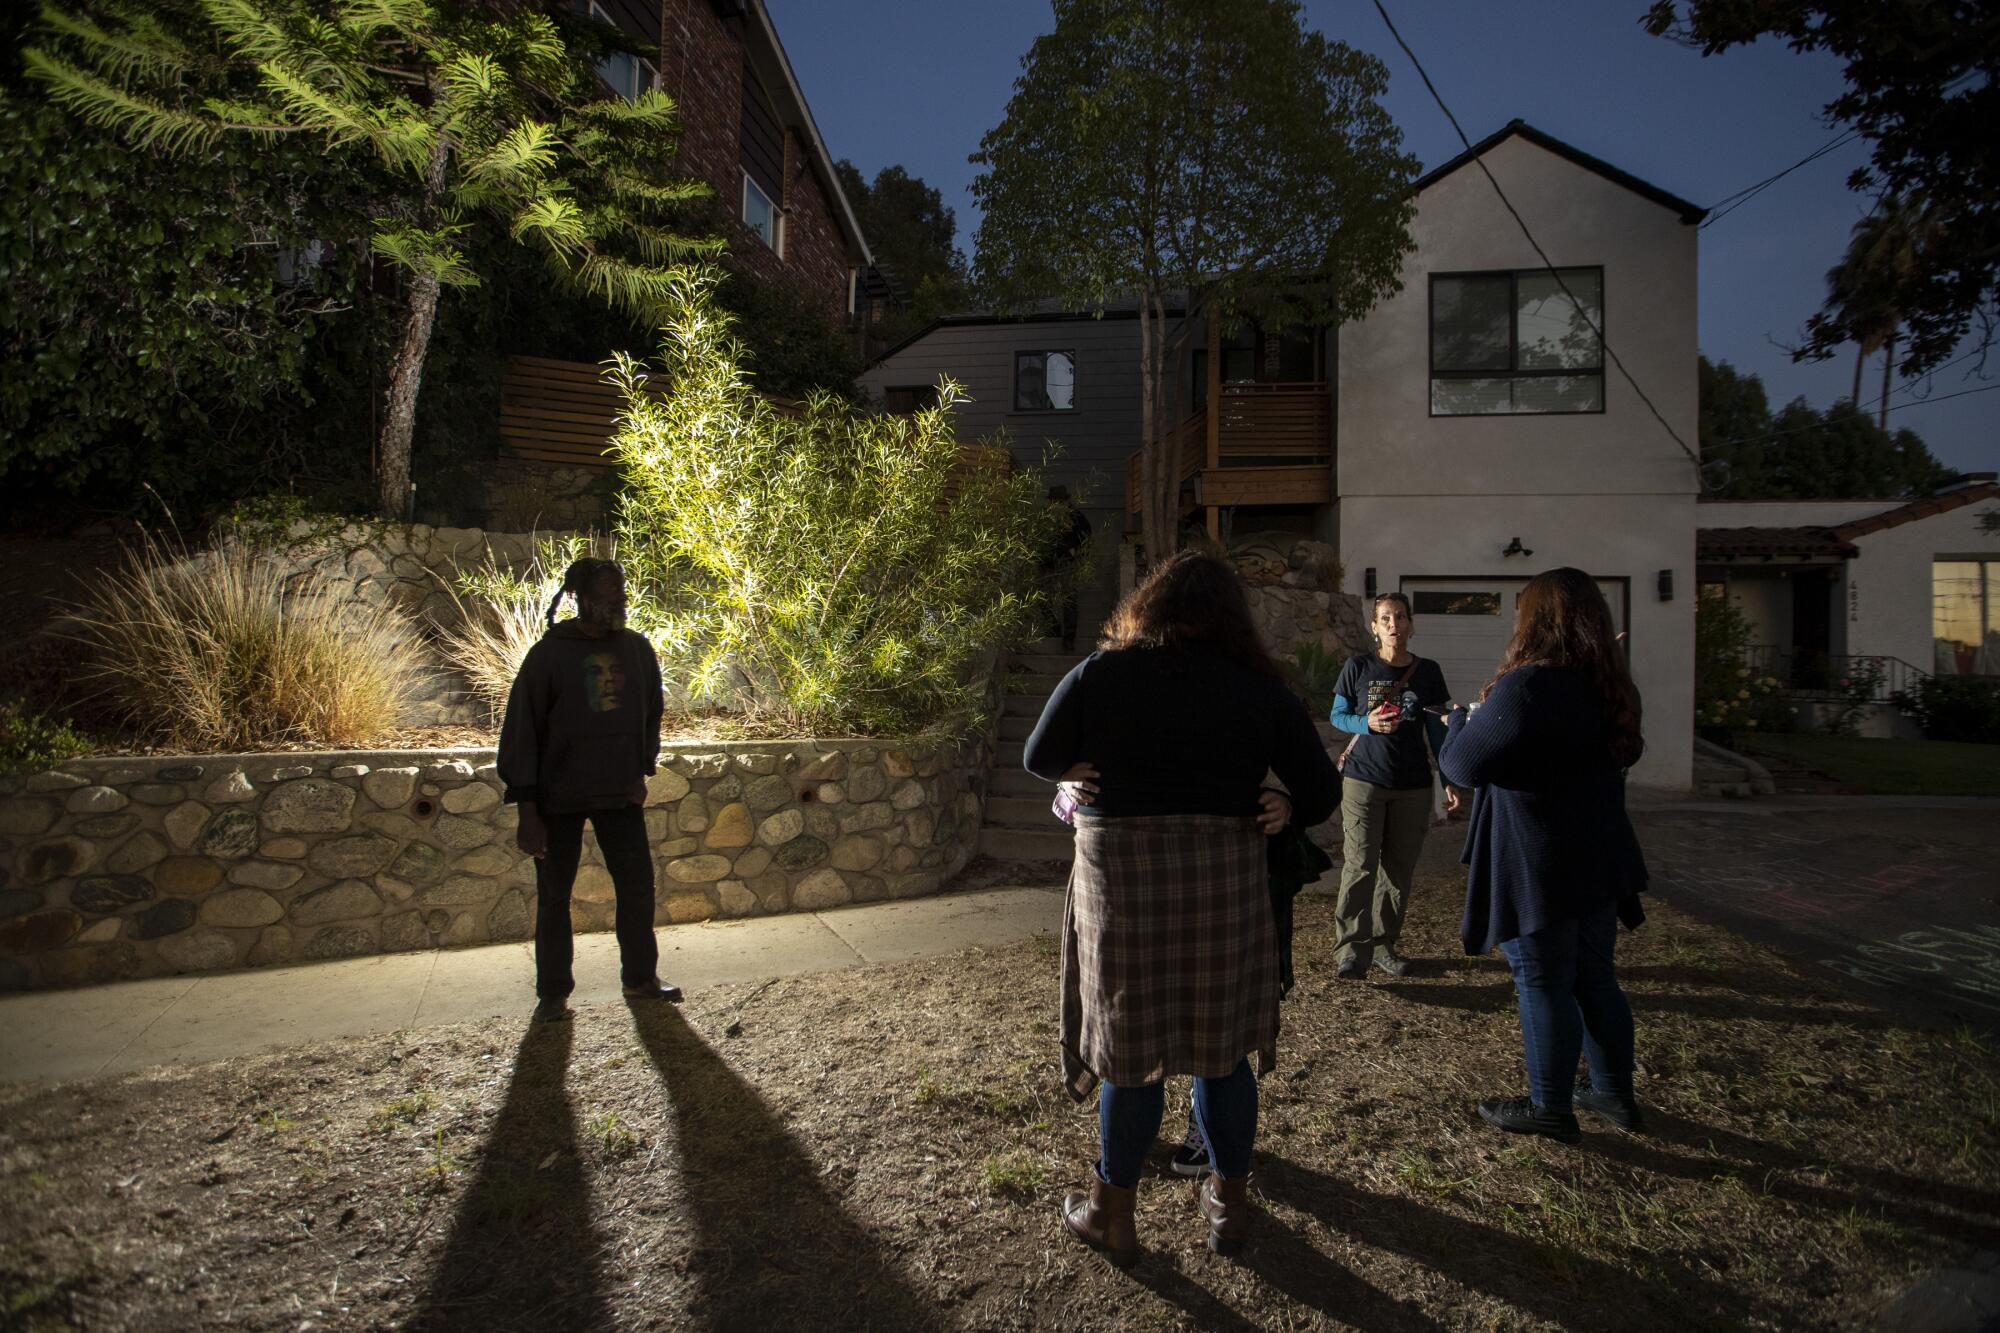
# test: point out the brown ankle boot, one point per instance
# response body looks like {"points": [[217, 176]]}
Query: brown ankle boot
{"points": [[1102, 1220], [1226, 1205]]}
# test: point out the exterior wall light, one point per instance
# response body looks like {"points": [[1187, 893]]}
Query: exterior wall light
{"points": [[1666, 585], [1514, 548], [1368, 580]]}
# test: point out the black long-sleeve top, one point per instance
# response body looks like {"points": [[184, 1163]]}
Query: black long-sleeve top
{"points": [[1182, 731], [582, 727]]}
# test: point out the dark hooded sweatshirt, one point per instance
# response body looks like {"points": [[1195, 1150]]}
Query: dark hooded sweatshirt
{"points": [[583, 721]]}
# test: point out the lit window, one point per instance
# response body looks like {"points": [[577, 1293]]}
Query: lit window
{"points": [[759, 213], [1965, 617], [1044, 381], [1524, 342]]}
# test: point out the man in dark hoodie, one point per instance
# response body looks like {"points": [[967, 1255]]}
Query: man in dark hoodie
{"points": [[581, 736]]}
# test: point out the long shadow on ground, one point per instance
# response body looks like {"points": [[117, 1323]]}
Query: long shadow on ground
{"points": [[771, 1248], [1569, 1290], [523, 1252]]}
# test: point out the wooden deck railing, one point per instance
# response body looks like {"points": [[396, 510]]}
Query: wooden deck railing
{"points": [[1258, 423]]}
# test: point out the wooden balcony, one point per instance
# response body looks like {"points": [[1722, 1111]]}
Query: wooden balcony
{"points": [[1256, 444]]}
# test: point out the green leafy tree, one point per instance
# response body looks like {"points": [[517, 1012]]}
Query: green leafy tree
{"points": [[1863, 289], [1921, 90], [1802, 453], [1204, 154], [148, 338], [817, 568], [914, 237], [478, 114]]}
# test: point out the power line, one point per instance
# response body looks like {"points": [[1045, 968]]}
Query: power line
{"points": [[1723, 207], [1547, 263], [1864, 410]]}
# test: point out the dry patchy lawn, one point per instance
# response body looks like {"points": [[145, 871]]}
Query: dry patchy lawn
{"points": [[883, 1148]]}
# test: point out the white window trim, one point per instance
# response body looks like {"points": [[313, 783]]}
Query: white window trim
{"points": [[777, 214]]}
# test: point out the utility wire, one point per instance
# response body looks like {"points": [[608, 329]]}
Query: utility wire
{"points": [[1547, 263], [1864, 410], [1722, 208]]}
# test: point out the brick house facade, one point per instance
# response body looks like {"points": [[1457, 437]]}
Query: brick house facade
{"points": [[743, 116]]}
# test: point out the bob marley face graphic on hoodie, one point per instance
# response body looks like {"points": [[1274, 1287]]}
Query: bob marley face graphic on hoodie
{"points": [[604, 682]]}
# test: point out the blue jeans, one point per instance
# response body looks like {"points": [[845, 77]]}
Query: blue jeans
{"points": [[1570, 1002], [1128, 1120]]}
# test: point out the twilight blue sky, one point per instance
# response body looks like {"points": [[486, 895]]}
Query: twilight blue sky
{"points": [[917, 82]]}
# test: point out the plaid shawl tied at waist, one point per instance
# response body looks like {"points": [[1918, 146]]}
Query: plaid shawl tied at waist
{"points": [[1170, 959]]}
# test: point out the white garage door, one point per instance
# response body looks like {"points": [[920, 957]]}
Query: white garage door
{"points": [[1464, 624]]}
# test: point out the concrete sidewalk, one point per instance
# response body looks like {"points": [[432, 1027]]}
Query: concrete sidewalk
{"points": [[165, 1020]]}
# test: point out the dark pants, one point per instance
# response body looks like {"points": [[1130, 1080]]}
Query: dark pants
{"points": [[1570, 1002], [621, 836], [1128, 1120]]}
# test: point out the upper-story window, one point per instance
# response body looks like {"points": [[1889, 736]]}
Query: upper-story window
{"points": [[624, 73], [760, 151], [1517, 342], [1044, 381], [759, 213]]}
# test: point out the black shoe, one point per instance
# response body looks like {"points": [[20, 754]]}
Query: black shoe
{"points": [[1518, 1115], [552, 1011], [654, 990], [1191, 1158], [1351, 970], [1392, 962], [1620, 1111]]}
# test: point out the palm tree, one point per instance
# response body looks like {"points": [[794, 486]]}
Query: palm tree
{"points": [[1864, 289]]}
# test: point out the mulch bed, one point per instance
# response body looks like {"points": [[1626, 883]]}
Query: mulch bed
{"points": [[883, 1148]]}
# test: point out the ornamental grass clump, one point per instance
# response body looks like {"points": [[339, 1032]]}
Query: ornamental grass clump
{"points": [[502, 613], [229, 649], [816, 568]]}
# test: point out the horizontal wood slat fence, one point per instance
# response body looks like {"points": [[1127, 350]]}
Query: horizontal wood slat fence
{"points": [[1258, 424], [564, 412]]}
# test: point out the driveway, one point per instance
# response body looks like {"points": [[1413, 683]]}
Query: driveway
{"points": [[1901, 897]]}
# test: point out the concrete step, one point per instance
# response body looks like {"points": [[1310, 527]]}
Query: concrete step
{"points": [[1017, 781], [1723, 780], [1013, 844], [1007, 755], [1037, 683], [1024, 812], [1049, 664], [1016, 728], [1028, 706]]}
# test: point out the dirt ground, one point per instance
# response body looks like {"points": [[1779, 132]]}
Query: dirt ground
{"points": [[883, 1148]]}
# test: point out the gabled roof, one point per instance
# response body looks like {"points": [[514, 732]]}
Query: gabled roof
{"points": [[1690, 213], [760, 26], [1927, 507]]}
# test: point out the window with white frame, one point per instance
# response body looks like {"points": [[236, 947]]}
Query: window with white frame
{"points": [[1965, 617], [761, 215], [623, 73], [1522, 342]]}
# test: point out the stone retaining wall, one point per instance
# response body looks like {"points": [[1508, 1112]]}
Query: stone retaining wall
{"points": [[132, 867]]}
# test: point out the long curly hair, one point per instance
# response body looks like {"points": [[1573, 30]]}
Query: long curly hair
{"points": [[579, 578], [1190, 598], [1562, 620]]}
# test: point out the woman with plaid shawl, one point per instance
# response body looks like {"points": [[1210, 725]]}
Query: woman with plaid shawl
{"points": [[1170, 961]]}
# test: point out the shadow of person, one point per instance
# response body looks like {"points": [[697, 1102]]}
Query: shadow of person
{"points": [[1289, 1263], [1940, 1207], [1567, 1289], [523, 1251], [770, 1247]]}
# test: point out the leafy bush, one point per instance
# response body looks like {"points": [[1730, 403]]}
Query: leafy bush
{"points": [[816, 568], [502, 614], [1314, 672], [228, 649], [1854, 695], [1957, 708], [33, 742], [1729, 695]]}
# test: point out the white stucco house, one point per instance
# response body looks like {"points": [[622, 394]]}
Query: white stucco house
{"points": [[1468, 432], [1913, 586]]}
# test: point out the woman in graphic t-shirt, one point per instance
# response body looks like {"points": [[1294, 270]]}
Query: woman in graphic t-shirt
{"points": [[1385, 802]]}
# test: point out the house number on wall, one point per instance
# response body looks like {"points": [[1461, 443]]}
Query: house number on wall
{"points": [[1853, 604]]}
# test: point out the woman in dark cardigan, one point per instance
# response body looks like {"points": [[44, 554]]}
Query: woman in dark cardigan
{"points": [[1170, 962], [1553, 863]]}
